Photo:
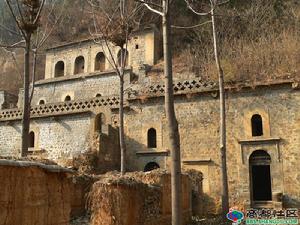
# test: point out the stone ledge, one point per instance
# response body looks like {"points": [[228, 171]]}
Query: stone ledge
{"points": [[77, 77], [153, 153], [196, 161], [255, 140], [61, 108]]}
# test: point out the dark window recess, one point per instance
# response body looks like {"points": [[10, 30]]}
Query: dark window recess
{"points": [[100, 62], [79, 65], [257, 125], [67, 98], [31, 140], [59, 69], [151, 166], [151, 138], [99, 122]]}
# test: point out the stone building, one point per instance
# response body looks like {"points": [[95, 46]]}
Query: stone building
{"points": [[75, 110]]}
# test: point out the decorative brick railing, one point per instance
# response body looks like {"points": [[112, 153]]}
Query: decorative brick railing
{"points": [[184, 86], [69, 107]]}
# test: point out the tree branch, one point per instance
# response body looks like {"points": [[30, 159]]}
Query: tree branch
{"points": [[39, 12], [191, 27], [15, 17], [150, 8]]}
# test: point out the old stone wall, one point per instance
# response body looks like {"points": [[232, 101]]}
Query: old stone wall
{"points": [[142, 49], [60, 137], [198, 116], [76, 87], [33, 195]]}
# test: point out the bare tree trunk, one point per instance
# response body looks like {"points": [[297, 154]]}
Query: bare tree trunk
{"points": [[174, 138], [225, 197], [26, 104], [121, 117]]}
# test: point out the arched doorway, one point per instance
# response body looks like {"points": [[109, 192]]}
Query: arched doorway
{"points": [[151, 166], [260, 176]]}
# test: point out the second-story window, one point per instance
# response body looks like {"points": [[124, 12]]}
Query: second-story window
{"points": [[59, 69], [151, 138], [257, 125], [79, 65], [100, 62]]}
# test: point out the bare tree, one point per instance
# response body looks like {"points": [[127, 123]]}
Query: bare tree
{"points": [[114, 23], [213, 5], [27, 16], [174, 137]]}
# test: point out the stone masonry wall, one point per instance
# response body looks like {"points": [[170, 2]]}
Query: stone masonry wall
{"points": [[142, 49], [198, 117], [63, 137]]}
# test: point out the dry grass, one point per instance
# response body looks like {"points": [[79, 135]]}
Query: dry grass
{"points": [[268, 58]]}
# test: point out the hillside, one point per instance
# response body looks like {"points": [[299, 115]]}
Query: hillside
{"points": [[259, 40]]}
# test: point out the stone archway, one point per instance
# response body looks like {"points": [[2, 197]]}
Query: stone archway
{"points": [[260, 176]]}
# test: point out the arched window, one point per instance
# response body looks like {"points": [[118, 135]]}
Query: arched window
{"points": [[100, 62], [98, 95], [79, 65], [99, 122], [257, 125], [123, 55], [42, 102], [31, 140], [151, 166], [59, 69], [68, 98], [151, 137]]}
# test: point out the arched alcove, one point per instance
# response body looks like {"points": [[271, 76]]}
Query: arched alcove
{"points": [[68, 98], [79, 65], [100, 62], [42, 102], [59, 69]]}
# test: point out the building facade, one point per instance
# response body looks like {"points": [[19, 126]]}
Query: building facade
{"points": [[75, 110]]}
